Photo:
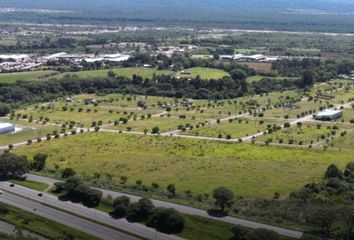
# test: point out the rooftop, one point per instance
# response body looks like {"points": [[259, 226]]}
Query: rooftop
{"points": [[5, 125], [328, 112]]}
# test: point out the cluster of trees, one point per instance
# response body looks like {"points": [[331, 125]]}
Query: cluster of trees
{"points": [[4, 109], [77, 191], [165, 220], [313, 70], [13, 166], [336, 185]]}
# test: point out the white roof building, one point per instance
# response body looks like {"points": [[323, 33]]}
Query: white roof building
{"points": [[6, 128], [328, 115]]}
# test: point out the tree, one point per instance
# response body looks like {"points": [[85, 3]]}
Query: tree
{"points": [[155, 130], [140, 211], [120, 211], [223, 197], [12, 166], [166, 220], [68, 172], [346, 214], [333, 172], [39, 161], [171, 188], [308, 78], [4, 109], [3, 209], [262, 234], [123, 200], [349, 169], [238, 74], [238, 233], [323, 218]]}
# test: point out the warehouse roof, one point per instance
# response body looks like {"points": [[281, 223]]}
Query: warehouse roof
{"points": [[328, 112]]}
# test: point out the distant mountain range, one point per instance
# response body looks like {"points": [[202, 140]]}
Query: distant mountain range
{"points": [[214, 6], [290, 15]]}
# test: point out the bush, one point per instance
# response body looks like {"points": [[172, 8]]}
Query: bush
{"points": [[166, 220], [68, 172]]}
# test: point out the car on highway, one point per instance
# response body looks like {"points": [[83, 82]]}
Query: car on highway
{"points": [[1, 191]]}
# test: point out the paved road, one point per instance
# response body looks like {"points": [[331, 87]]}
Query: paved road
{"points": [[11, 230], [83, 225], [187, 210], [89, 213]]}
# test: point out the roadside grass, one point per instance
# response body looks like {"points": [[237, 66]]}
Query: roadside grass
{"points": [[236, 129], [205, 73], [125, 72], [41, 226], [195, 165], [38, 186], [25, 76]]}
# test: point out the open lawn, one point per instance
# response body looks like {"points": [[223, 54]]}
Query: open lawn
{"points": [[109, 109], [204, 73], [309, 133], [346, 141], [126, 72], [24, 76], [165, 124], [236, 129], [257, 78], [199, 166]]}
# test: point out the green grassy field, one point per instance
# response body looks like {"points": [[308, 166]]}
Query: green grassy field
{"points": [[257, 78], [31, 184], [126, 72], [112, 108], [308, 133], [25, 76], [165, 124], [205, 73], [199, 166], [235, 129], [344, 141]]}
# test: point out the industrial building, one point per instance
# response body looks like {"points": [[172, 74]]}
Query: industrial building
{"points": [[6, 128], [328, 115]]}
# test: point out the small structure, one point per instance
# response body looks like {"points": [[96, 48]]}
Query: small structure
{"points": [[328, 115], [6, 128], [69, 100], [186, 72]]}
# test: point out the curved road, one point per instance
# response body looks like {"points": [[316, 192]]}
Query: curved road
{"points": [[83, 225], [187, 210]]}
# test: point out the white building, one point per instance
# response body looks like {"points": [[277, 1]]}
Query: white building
{"points": [[328, 115], [6, 128]]}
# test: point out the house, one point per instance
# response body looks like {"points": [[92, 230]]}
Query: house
{"points": [[328, 115], [6, 128]]}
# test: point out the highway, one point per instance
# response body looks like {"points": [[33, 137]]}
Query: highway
{"points": [[187, 210], [10, 230], [83, 225], [88, 213]]}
